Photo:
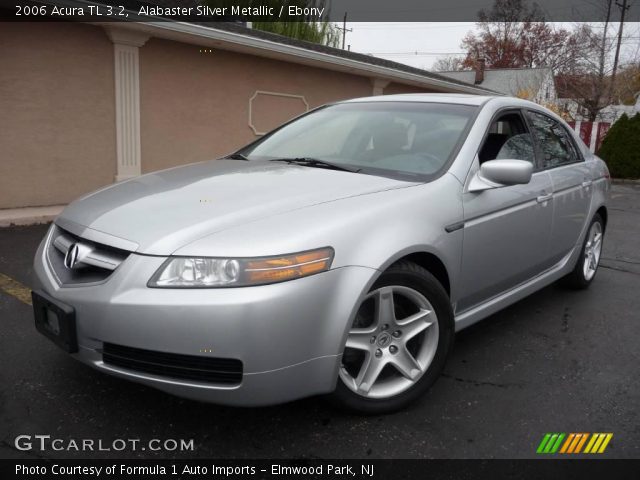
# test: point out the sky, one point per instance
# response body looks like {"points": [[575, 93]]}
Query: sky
{"points": [[416, 44], [421, 44]]}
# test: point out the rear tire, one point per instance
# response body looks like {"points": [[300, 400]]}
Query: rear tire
{"points": [[398, 343], [589, 260]]}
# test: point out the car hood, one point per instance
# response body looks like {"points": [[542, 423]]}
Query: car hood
{"points": [[160, 212]]}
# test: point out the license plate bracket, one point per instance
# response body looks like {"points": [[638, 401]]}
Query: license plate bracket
{"points": [[55, 320]]}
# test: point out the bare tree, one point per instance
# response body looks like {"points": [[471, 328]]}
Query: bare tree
{"points": [[514, 34], [627, 86], [586, 82], [306, 27], [591, 81], [449, 63], [585, 59]]}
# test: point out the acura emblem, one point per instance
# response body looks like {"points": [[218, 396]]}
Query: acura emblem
{"points": [[384, 339], [71, 257]]}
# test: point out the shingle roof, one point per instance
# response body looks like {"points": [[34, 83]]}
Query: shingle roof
{"points": [[241, 29], [238, 28], [338, 52], [505, 80]]}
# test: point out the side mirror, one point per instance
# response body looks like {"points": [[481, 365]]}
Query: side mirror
{"points": [[501, 173]]}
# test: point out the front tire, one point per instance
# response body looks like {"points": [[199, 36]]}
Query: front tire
{"points": [[398, 343], [588, 262]]}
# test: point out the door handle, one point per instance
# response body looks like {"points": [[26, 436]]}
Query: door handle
{"points": [[544, 198], [587, 183]]}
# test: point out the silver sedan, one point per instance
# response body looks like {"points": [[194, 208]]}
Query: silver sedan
{"points": [[337, 254]]}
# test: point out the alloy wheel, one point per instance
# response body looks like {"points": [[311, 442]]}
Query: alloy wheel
{"points": [[592, 250], [391, 344]]}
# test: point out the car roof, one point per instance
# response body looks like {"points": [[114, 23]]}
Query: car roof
{"points": [[455, 98], [497, 101]]}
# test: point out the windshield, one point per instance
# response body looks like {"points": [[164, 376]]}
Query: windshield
{"points": [[408, 138]]}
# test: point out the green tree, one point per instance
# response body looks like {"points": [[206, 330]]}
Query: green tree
{"points": [[323, 33], [621, 147], [306, 27]]}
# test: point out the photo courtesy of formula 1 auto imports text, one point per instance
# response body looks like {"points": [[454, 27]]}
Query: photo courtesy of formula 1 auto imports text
{"points": [[319, 239]]}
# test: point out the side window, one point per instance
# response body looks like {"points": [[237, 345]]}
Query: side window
{"points": [[556, 146], [508, 138]]}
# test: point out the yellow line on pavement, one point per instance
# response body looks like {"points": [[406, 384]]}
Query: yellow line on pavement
{"points": [[15, 289]]}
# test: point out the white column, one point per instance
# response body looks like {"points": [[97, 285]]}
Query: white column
{"points": [[126, 44], [379, 85], [594, 136], [577, 127]]}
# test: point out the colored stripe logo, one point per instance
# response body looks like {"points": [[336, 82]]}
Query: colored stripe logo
{"points": [[573, 443]]}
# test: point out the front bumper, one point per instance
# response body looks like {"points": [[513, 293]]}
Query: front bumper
{"points": [[289, 336]]}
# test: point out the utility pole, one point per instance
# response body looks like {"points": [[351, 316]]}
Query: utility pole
{"points": [[345, 29], [623, 7], [603, 45], [602, 90]]}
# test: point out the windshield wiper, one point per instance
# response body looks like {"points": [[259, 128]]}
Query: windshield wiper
{"points": [[236, 156], [314, 162]]}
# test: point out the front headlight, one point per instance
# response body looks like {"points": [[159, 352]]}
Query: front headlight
{"points": [[204, 272]]}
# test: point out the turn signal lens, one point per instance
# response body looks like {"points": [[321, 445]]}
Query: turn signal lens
{"points": [[187, 272], [289, 267]]}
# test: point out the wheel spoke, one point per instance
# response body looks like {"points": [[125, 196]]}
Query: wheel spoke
{"points": [[406, 364], [360, 338], [597, 241], [369, 373], [587, 265], [385, 309], [413, 325]]}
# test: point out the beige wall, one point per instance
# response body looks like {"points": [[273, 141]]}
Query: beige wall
{"points": [[195, 106], [57, 106], [395, 88], [57, 126]]}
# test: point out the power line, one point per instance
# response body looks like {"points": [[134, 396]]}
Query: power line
{"points": [[416, 53], [405, 27]]}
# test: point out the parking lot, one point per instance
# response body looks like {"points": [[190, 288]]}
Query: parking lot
{"points": [[558, 361]]}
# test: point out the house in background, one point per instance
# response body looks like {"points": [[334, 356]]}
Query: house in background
{"points": [[83, 105], [535, 84]]}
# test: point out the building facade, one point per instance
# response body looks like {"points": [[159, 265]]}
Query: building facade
{"points": [[84, 105]]}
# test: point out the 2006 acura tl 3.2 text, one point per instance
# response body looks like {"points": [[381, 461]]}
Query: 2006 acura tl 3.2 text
{"points": [[335, 255]]}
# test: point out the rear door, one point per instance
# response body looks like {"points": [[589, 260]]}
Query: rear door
{"points": [[506, 229], [570, 178]]}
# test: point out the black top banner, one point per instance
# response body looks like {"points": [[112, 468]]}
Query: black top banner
{"points": [[311, 10]]}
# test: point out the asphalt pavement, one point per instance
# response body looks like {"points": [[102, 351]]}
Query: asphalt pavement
{"points": [[558, 361]]}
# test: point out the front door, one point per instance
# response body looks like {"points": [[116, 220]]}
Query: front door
{"points": [[506, 229]]}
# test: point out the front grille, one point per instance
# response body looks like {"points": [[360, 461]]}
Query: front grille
{"points": [[96, 261], [187, 367]]}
